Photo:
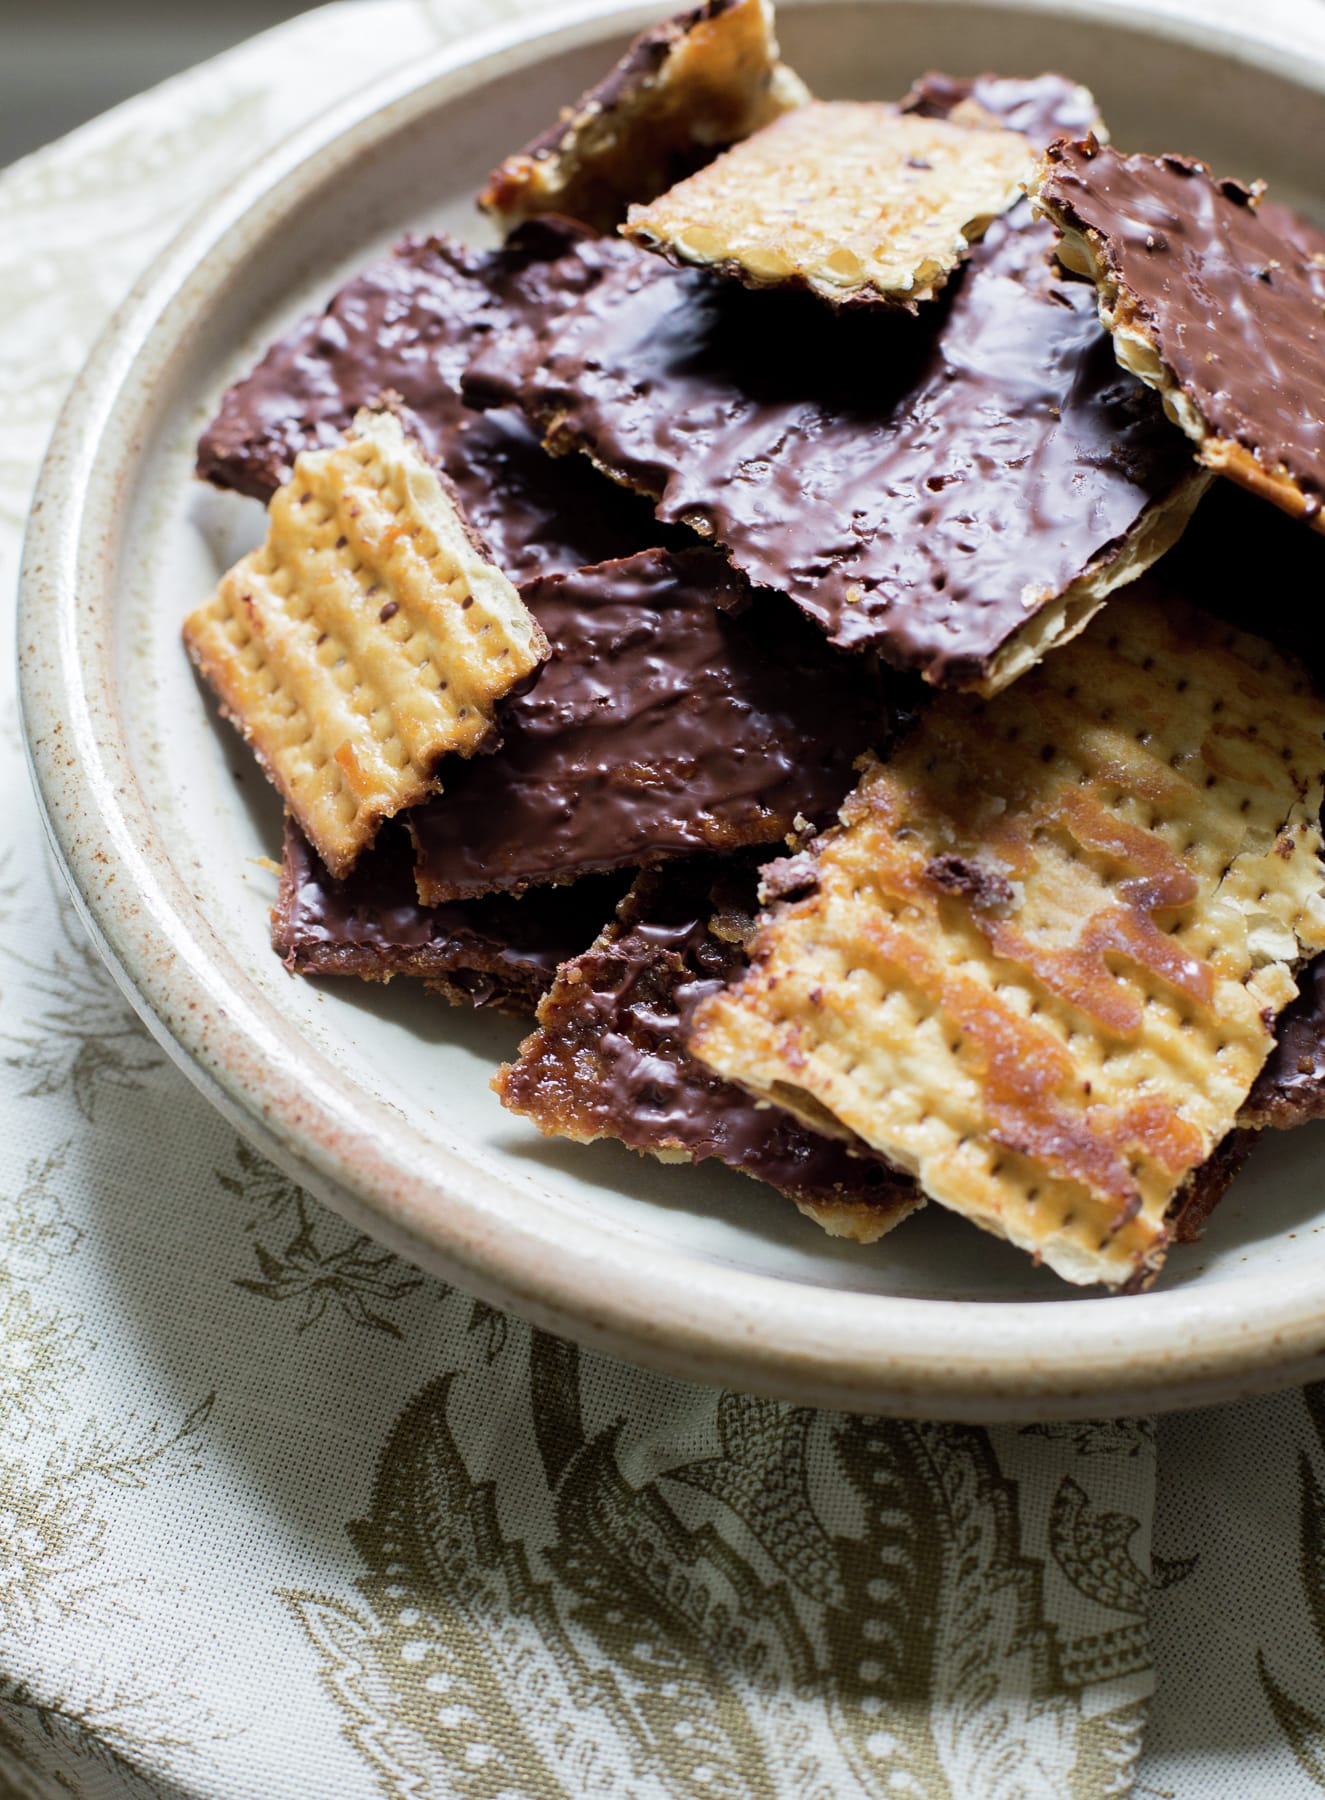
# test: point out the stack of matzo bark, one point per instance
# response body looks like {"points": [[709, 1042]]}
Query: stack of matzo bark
{"points": [[743, 617]]}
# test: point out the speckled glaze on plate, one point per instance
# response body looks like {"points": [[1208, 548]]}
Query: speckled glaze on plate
{"points": [[377, 1099]]}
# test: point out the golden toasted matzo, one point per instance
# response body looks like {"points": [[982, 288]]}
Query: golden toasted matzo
{"points": [[852, 199], [1043, 957], [366, 638]]}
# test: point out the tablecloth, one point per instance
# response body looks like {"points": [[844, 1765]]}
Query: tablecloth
{"points": [[280, 1516]]}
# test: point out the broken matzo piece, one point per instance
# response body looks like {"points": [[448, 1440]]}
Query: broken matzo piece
{"points": [[1045, 950], [364, 640], [1208, 304], [683, 90], [1041, 107], [498, 951], [850, 198], [609, 1059], [959, 491]]}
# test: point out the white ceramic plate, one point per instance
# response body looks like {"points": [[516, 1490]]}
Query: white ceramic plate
{"points": [[377, 1099]]}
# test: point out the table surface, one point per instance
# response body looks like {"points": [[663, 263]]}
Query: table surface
{"points": [[281, 1516]]}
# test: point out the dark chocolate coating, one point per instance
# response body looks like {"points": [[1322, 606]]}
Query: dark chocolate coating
{"points": [[651, 148], [663, 723], [498, 951], [541, 514], [408, 326], [1227, 301], [1290, 1089], [1041, 107], [1307, 239], [1205, 1187], [917, 485], [610, 1058]]}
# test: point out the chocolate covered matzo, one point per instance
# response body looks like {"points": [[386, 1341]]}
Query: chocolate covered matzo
{"points": [[609, 1058], [497, 951], [1041, 107], [960, 490], [1044, 953], [675, 714], [366, 638], [850, 198], [1209, 304], [684, 89]]}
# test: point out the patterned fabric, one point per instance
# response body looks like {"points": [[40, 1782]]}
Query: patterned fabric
{"points": [[279, 1516]]}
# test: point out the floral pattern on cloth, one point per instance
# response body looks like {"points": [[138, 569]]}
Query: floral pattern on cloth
{"points": [[280, 1516]]}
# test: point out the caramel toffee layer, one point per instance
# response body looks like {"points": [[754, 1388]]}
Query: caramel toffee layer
{"points": [[631, 74], [916, 485], [1229, 303], [1040, 107], [671, 717], [498, 951], [609, 1058], [408, 326]]}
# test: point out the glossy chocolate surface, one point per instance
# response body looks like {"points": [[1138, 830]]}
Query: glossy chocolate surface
{"points": [[408, 326], [499, 951], [1305, 237], [1228, 302], [663, 723], [917, 485], [540, 514], [609, 1059], [1041, 107]]}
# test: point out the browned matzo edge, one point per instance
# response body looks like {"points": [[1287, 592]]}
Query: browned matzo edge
{"points": [[684, 90], [855, 201]]}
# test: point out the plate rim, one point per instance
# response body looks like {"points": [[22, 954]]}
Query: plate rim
{"points": [[913, 1356]]}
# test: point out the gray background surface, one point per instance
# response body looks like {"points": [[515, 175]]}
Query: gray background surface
{"points": [[64, 61]]}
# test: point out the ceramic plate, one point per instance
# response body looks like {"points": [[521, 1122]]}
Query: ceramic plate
{"points": [[377, 1099]]}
